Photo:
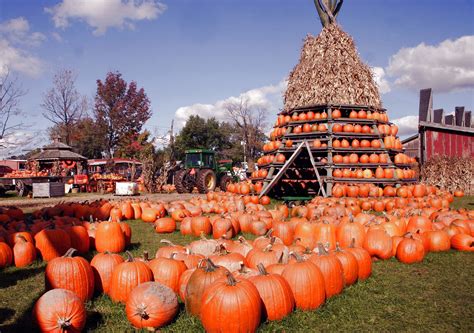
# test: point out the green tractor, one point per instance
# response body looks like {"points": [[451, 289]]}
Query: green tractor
{"points": [[202, 171]]}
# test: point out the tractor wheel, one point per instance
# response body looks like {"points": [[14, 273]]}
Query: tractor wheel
{"points": [[181, 182], [225, 180], [206, 181]]}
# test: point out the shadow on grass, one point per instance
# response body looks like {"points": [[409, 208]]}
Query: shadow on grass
{"points": [[134, 246], [24, 323], [11, 278], [6, 314]]}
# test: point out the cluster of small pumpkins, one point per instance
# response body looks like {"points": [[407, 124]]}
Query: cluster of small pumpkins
{"points": [[26, 174], [268, 159], [380, 173], [48, 233]]}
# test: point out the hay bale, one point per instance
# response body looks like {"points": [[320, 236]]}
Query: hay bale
{"points": [[330, 71]]}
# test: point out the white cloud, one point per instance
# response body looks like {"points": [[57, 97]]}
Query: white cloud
{"points": [[444, 67], [104, 14], [20, 142], [407, 125], [381, 80], [15, 59], [17, 30], [267, 97], [15, 41], [57, 37]]}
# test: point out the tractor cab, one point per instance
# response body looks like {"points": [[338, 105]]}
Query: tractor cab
{"points": [[201, 170], [200, 159]]}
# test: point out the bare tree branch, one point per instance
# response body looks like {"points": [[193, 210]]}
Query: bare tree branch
{"points": [[62, 104], [10, 95], [250, 123]]}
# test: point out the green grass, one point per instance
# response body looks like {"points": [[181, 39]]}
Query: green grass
{"points": [[435, 295]]}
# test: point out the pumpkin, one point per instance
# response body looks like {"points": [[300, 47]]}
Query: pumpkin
{"points": [[364, 261], [204, 275], [126, 276], [201, 225], [103, 264], [165, 225], [6, 255], [127, 210], [266, 256], [109, 237], [71, 273], [183, 282], [24, 252], [60, 310], [167, 271], [350, 266], [348, 231], [306, 282], [231, 305], [410, 250], [463, 242], [438, 240], [170, 248], [52, 243], [79, 238], [419, 224], [151, 305], [378, 243], [331, 269]]}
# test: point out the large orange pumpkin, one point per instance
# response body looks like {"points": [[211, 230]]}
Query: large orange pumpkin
{"points": [[71, 273], [231, 305], [60, 310], [151, 305]]}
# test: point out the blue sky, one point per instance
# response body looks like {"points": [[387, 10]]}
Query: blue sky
{"points": [[192, 55]]}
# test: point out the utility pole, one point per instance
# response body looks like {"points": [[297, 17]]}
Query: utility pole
{"points": [[172, 154]]}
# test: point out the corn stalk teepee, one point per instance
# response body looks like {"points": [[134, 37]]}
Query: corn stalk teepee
{"points": [[330, 70]]}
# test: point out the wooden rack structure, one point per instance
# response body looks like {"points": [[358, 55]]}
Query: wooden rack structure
{"points": [[308, 170]]}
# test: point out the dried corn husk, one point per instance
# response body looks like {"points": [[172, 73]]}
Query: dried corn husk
{"points": [[330, 71], [450, 173]]}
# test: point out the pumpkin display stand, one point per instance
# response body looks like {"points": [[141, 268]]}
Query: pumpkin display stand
{"points": [[315, 147]]}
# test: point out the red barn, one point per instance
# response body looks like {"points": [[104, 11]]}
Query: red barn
{"points": [[450, 135]]}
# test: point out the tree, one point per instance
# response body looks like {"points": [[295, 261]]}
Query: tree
{"points": [[120, 110], [249, 122], [84, 138], [203, 133], [10, 94], [62, 104], [328, 10]]}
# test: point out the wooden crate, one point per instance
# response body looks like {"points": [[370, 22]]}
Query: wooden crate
{"points": [[48, 190]]}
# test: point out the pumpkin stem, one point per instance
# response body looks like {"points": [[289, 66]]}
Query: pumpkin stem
{"points": [[146, 256], [141, 311], [129, 256], [210, 266], [280, 259], [297, 256], [262, 269], [268, 234], [268, 248], [167, 242], [353, 241], [231, 281], [203, 236], [338, 247], [322, 249], [64, 324], [242, 240], [22, 238], [69, 253]]}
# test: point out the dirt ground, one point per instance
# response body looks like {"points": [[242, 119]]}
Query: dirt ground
{"points": [[31, 204]]}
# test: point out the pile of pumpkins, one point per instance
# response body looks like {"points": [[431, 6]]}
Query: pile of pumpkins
{"points": [[302, 256]]}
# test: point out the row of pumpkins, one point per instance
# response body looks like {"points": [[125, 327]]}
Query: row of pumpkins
{"points": [[304, 255]]}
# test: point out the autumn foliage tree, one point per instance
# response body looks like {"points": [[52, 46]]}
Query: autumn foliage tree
{"points": [[121, 109]]}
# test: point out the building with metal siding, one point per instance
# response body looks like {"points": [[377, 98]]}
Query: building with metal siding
{"points": [[450, 135]]}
